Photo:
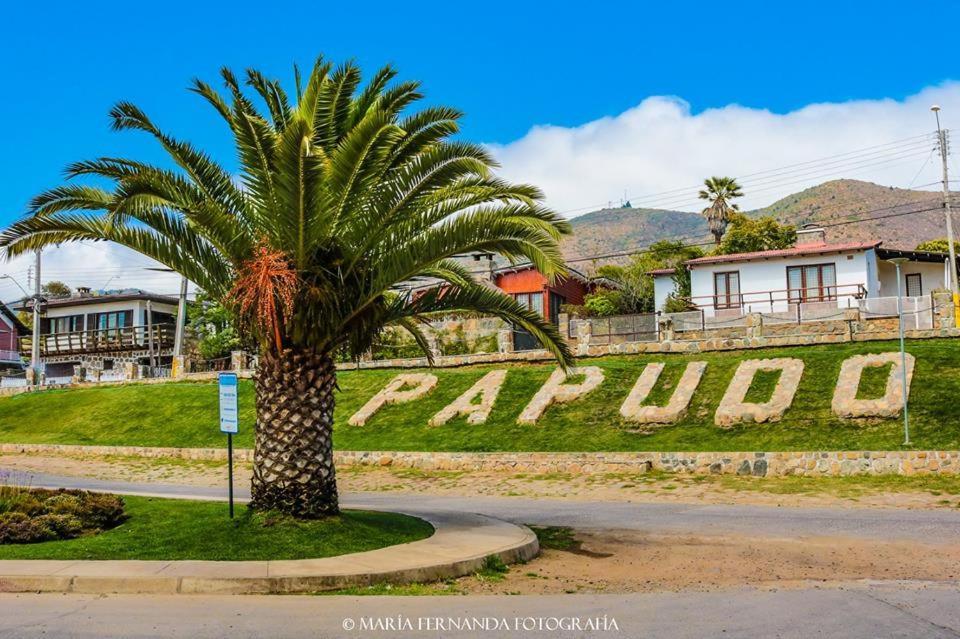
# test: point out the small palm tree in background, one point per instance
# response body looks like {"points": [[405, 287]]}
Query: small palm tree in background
{"points": [[720, 193], [341, 197]]}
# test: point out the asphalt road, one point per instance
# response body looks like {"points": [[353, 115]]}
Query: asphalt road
{"points": [[890, 610], [883, 609], [929, 526]]}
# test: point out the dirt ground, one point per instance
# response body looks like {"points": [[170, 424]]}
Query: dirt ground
{"points": [[617, 561], [630, 561], [873, 492]]}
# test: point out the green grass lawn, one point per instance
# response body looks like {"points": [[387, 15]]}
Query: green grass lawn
{"points": [[182, 529], [185, 414]]}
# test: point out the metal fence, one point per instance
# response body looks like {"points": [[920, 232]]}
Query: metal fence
{"points": [[13, 381], [212, 365], [700, 321], [642, 327], [918, 312]]}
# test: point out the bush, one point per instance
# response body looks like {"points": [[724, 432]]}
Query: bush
{"points": [[62, 526], [37, 515], [603, 303], [20, 528]]}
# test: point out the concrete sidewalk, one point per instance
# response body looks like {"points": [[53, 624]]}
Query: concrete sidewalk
{"points": [[460, 544]]}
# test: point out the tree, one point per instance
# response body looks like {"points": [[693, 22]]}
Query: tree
{"points": [[55, 288], [939, 245], [634, 293], [747, 235], [720, 193], [212, 326], [342, 196]]}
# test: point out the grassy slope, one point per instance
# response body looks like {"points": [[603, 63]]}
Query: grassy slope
{"points": [[185, 414], [179, 529]]}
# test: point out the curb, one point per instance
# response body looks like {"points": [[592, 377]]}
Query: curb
{"points": [[459, 546]]}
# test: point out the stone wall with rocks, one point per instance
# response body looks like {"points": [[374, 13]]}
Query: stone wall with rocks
{"points": [[758, 464]]}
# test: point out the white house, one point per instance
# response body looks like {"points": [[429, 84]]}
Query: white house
{"points": [[817, 275], [101, 331]]}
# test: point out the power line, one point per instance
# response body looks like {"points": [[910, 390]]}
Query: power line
{"points": [[894, 146]]}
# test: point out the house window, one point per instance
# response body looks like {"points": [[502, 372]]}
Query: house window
{"points": [[726, 289], [67, 324], [914, 285], [812, 283], [532, 301], [116, 319]]}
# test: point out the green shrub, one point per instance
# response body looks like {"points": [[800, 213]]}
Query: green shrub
{"points": [[20, 528], [603, 303], [37, 515], [63, 526], [103, 511]]}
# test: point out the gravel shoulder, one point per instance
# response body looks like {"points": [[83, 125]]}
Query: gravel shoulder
{"points": [[930, 492]]}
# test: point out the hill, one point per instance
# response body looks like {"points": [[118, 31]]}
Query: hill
{"points": [[620, 229], [185, 414]]}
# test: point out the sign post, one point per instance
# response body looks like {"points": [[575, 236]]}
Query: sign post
{"points": [[229, 421]]}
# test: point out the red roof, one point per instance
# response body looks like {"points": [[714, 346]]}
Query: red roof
{"points": [[662, 271], [810, 249]]}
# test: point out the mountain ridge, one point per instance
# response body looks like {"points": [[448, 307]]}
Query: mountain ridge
{"points": [[840, 205]]}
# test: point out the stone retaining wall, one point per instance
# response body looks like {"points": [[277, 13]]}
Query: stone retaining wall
{"points": [[766, 464]]}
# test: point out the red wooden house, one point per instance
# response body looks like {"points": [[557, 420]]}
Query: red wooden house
{"points": [[529, 287]]}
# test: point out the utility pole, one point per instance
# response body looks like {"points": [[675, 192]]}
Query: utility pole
{"points": [[35, 343], [150, 334], [942, 143], [181, 319]]}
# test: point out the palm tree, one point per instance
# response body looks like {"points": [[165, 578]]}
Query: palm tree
{"points": [[340, 199], [720, 191]]}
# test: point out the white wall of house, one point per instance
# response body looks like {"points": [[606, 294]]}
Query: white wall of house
{"points": [[931, 277], [759, 277], [663, 286], [139, 308]]}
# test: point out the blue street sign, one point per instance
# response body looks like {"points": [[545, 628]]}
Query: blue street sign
{"points": [[229, 415]]}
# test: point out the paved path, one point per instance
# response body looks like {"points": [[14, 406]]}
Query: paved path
{"points": [[891, 610], [460, 544], [929, 526]]}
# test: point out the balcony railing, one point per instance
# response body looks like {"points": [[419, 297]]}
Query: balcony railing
{"points": [[732, 304], [127, 338], [9, 356]]}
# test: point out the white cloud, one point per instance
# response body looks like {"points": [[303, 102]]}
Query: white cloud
{"points": [[99, 265], [659, 146]]}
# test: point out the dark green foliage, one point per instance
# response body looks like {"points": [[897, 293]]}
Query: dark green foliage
{"points": [[634, 292], [747, 234], [30, 516], [55, 289], [345, 184], [212, 328]]}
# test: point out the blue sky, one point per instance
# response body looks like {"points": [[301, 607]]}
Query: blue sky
{"points": [[590, 101], [510, 66]]}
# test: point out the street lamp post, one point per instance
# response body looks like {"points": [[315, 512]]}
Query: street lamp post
{"points": [[897, 261], [35, 342]]}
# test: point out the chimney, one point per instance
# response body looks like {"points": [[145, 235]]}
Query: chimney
{"points": [[811, 235], [83, 291]]}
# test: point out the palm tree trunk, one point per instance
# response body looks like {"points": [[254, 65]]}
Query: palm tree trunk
{"points": [[293, 455]]}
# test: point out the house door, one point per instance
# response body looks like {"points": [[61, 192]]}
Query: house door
{"points": [[522, 339]]}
